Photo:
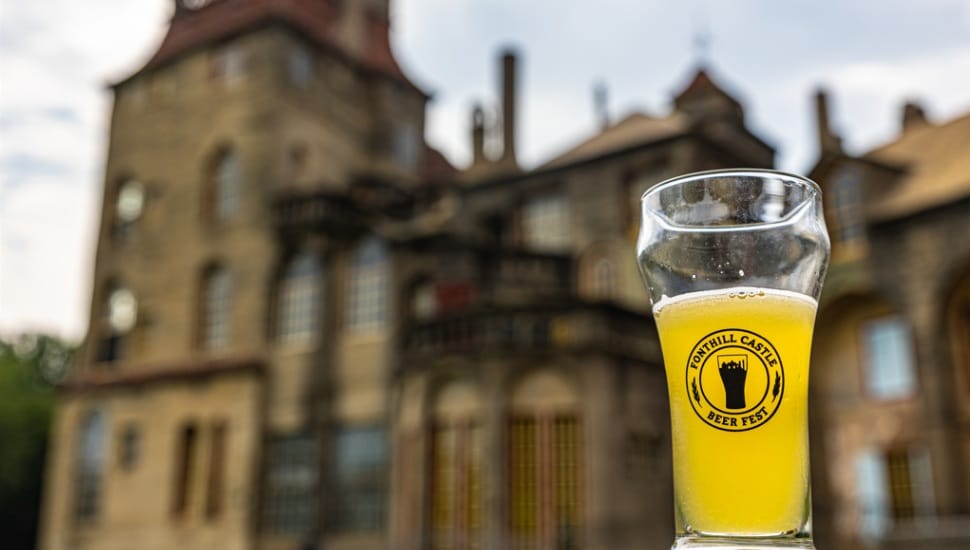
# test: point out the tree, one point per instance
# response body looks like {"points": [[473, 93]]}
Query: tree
{"points": [[29, 368]]}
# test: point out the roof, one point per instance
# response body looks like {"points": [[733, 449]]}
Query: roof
{"points": [[635, 129], [702, 86], [435, 168], [222, 19], [639, 128], [937, 163]]}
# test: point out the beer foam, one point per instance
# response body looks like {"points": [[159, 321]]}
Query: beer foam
{"points": [[733, 293]]}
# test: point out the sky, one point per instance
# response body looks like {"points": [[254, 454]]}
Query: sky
{"points": [[57, 56]]}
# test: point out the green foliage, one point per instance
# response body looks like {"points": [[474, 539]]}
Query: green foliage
{"points": [[29, 367]]}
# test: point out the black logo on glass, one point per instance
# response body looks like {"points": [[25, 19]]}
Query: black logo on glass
{"points": [[734, 371], [735, 380]]}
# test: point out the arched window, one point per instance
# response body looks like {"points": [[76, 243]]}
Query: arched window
{"points": [[89, 468], [225, 186], [544, 459], [603, 283], [128, 207], [119, 315], [456, 467], [298, 314], [215, 325], [368, 285]]}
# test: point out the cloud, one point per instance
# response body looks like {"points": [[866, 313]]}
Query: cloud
{"points": [[57, 55]]}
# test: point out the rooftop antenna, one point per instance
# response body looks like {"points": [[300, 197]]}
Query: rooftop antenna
{"points": [[601, 105], [702, 37], [702, 46]]}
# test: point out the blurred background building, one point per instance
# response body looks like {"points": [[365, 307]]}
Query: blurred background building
{"points": [[308, 329]]}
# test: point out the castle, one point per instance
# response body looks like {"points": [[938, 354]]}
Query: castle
{"points": [[309, 330]]}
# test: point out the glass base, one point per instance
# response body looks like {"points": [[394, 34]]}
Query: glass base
{"points": [[695, 542]]}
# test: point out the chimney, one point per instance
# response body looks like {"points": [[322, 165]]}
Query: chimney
{"points": [[601, 105], [828, 141], [478, 136], [913, 116], [508, 110]]}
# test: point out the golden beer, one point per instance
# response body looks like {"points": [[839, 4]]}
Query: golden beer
{"points": [[737, 374]]}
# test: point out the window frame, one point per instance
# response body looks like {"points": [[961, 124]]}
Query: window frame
{"points": [[282, 491], [129, 447], [368, 296], [595, 278], [847, 207], [376, 484], [91, 453], [300, 292], [183, 481], [228, 63], [225, 186], [206, 340], [869, 361], [215, 487], [563, 240], [301, 66]]}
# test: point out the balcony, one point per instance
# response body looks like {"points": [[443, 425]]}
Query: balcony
{"points": [[296, 212], [574, 327]]}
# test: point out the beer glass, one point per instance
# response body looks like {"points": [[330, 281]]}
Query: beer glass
{"points": [[734, 261]]}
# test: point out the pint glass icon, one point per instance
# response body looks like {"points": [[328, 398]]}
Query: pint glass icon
{"points": [[734, 263], [734, 371]]}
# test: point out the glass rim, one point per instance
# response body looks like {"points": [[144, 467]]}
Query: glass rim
{"points": [[752, 172]]}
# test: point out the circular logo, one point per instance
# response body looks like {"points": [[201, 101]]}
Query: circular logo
{"points": [[735, 380]]}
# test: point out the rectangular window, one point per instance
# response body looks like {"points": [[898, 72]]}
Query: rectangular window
{"points": [[184, 466], [368, 299], [360, 479], [299, 302], [128, 447], [368, 286], [523, 483], [545, 223], [406, 143], [888, 352], [217, 467], [89, 467], [228, 63], [893, 486], [873, 502], [910, 483], [217, 304], [847, 203], [544, 476], [900, 485], [290, 501], [109, 348], [456, 512], [301, 67]]}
